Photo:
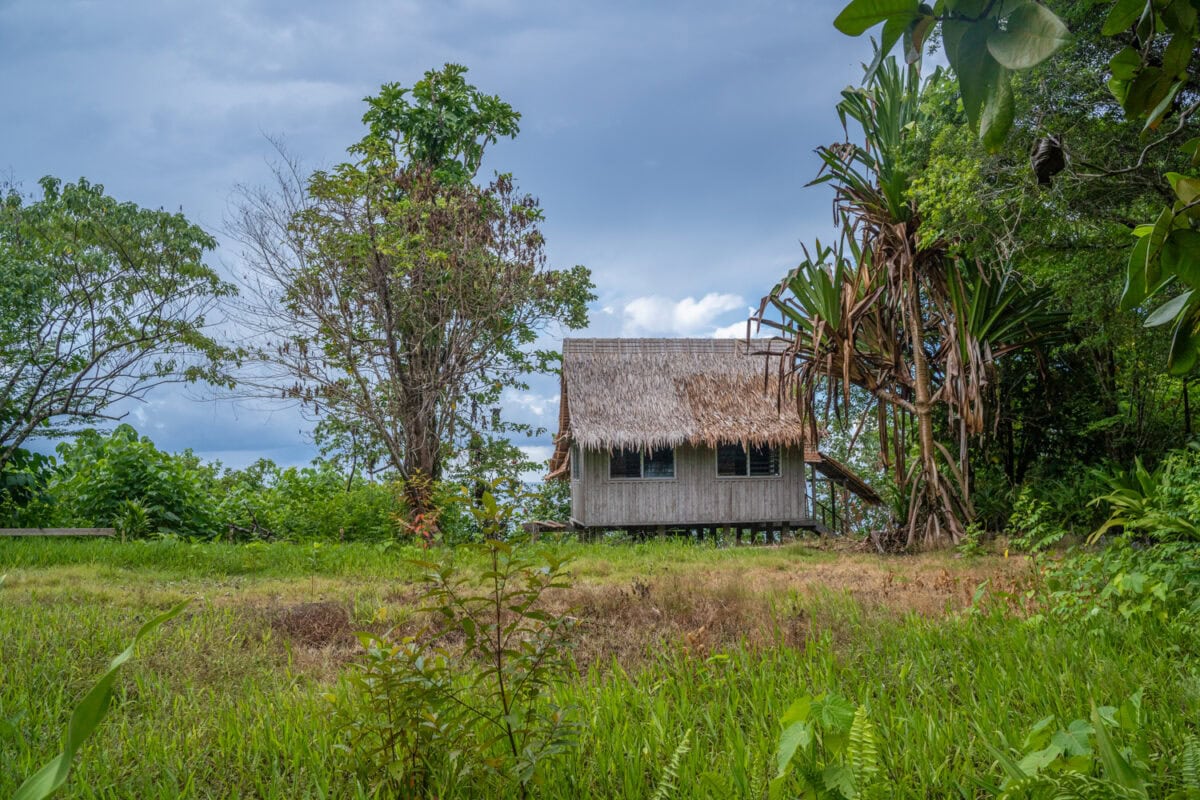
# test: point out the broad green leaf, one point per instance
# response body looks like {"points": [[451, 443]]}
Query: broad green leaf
{"points": [[1032, 35], [835, 713], [798, 735], [1155, 117], [1192, 148], [841, 778], [997, 117], [1181, 256], [1119, 89], [1180, 18], [953, 32], [1035, 762], [797, 711], [1155, 241], [1145, 91], [978, 73], [1185, 345], [1116, 768], [1135, 276], [1125, 64], [860, 15], [1039, 734], [1178, 54], [1129, 716], [1186, 189], [1168, 310], [893, 29], [1123, 14]]}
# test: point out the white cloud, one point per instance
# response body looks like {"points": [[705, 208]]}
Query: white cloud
{"points": [[657, 314], [537, 452], [736, 330], [534, 402]]}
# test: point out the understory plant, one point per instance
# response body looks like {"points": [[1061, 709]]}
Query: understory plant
{"points": [[827, 750], [470, 697], [1162, 504], [1160, 582], [1106, 755]]}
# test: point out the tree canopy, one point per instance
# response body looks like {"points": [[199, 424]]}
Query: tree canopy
{"points": [[101, 301], [396, 293]]}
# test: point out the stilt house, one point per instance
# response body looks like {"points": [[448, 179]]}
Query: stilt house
{"points": [[690, 433]]}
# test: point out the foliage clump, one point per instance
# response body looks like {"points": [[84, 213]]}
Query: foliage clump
{"points": [[471, 699]]}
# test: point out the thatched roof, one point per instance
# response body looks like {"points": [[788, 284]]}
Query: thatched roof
{"points": [[644, 393]]}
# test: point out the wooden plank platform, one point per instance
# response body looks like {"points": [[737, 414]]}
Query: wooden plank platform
{"points": [[58, 532]]}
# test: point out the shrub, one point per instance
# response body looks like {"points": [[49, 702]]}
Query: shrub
{"points": [[1034, 524], [317, 502], [1162, 582], [828, 750], [23, 482], [422, 712], [1162, 504], [117, 479]]}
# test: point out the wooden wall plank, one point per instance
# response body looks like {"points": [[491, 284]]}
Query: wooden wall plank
{"points": [[696, 496]]}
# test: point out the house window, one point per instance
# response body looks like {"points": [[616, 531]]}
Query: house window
{"points": [[576, 463], [656, 463], [733, 461]]}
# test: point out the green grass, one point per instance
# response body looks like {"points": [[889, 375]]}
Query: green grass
{"points": [[221, 704]]}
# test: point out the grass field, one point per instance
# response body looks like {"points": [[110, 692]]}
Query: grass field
{"points": [[227, 701]]}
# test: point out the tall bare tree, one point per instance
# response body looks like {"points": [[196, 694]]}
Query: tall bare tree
{"points": [[391, 291]]}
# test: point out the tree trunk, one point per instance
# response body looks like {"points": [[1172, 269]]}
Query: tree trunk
{"points": [[932, 508]]}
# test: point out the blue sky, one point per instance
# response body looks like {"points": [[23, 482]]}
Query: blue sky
{"points": [[669, 143]]}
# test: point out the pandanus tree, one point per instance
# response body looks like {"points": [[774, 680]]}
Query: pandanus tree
{"points": [[899, 314]]}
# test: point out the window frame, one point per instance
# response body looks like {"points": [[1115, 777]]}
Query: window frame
{"points": [[642, 476], [778, 451], [575, 455]]}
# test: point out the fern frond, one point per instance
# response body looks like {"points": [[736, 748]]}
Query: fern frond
{"points": [[667, 784], [1189, 763], [863, 750], [1068, 786]]}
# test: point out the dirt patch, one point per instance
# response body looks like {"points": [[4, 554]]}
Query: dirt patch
{"points": [[709, 609], [315, 624], [701, 608]]}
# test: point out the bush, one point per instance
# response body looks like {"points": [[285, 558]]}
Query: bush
{"points": [[121, 480], [265, 501], [1161, 582], [1156, 505], [472, 698], [23, 482], [1045, 510]]}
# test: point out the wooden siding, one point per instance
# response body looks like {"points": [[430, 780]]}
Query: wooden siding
{"points": [[695, 496]]}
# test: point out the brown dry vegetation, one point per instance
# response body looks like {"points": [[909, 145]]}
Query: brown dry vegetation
{"points": [[625, 613]]}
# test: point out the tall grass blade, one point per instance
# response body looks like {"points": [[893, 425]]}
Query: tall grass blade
{"points": [[85, 718]]}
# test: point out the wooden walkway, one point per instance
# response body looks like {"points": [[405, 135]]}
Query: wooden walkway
{"points": [[57, 532]]}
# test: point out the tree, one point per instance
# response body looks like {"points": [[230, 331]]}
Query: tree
{"points": [[393, 292], [100, 301], [1102, 394], [899, 315], [1153, 77]]}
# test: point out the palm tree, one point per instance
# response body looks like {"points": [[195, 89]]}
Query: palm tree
{"points": [[905, 319]]}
